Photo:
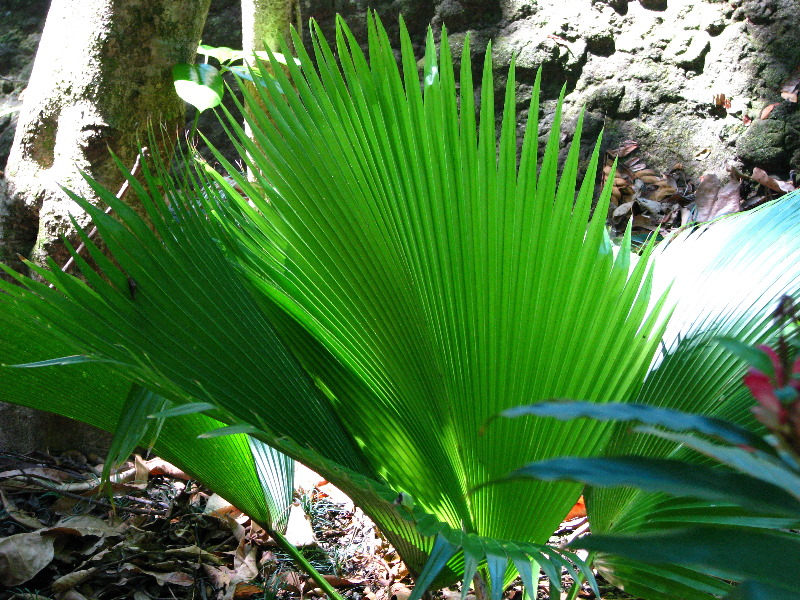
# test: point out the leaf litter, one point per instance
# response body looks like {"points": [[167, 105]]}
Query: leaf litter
{"points": [[157, 534], [663, 203]]}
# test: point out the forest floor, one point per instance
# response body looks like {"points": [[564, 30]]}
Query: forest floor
{"points": [[162, 536]]}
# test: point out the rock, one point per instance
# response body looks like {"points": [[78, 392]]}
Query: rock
{"points": [[654, 4], [688, 50], [606, 98], [774, 143], [762, 144]]}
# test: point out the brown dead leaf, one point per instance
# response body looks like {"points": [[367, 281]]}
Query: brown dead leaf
{"points": [[635, 164], [665, 193], [705, 196], [772, 183], [623, 149], [643, 222], [196, 552], [337, 581], [245, 562], [622, 212], [158, 466], [245, 591], [52, 475], [76, 595], [71, 580], [81, 525], [220, 576], [23, 555], [791, 86], [173, 577], [294, 582], [768, 110], [653, 208], [579, 510], [722, 100], [729, 199], [18, 515], [620, 182], [400, 591], [142, 471], [217, 506]]}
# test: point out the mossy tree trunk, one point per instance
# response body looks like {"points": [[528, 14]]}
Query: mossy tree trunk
{"points": [[102, 75], [267, 21]]}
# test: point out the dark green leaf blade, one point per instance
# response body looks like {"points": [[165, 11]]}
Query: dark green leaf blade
{"points": [[641, 413], [669, 476], [763, 556]]}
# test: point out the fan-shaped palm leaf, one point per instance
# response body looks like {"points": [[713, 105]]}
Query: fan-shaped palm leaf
{"points": [[388, 281]]}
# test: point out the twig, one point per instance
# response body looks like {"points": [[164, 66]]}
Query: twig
{"points": [[81, 486], [100, 503], [120, 196]]}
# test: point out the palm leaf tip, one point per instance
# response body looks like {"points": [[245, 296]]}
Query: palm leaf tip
{"points": [[424, 259]]}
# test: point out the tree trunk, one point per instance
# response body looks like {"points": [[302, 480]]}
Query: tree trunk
{"points": [[267, 21], [102, 75]]}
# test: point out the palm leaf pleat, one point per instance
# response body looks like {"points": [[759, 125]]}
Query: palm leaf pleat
{"points": [[726, 279], [448, 281], [389, 279], [250, 474]]}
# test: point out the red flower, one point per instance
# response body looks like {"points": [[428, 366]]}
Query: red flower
{"points": [[774, 411]]}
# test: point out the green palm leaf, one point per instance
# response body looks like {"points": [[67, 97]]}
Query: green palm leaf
{"points": [[388, 280], [726, 278], [433, 271]]}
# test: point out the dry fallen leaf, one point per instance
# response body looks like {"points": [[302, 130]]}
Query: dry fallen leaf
{"points": [[706, 195], [158, 466], [245, 591], [772, 183], [643, 222], [174, 577], [23, 555], [294, 582], [579, 510], [76, 595], [298, 528], [18, 515], [767, 110], [623, 149], [71, 580], [791, 86], [194, 551], [722, 100]]}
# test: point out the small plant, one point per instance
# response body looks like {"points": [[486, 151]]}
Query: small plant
{"points": [[202, 86]]}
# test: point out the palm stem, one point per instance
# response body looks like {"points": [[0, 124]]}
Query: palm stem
{"points": [[305, 565]]}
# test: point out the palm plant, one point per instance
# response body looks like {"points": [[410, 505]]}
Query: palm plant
{"points": [[389, 279]]}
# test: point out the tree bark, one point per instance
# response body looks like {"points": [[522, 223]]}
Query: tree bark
{"points": [[265, 22], [102, 76]]}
